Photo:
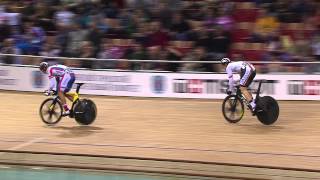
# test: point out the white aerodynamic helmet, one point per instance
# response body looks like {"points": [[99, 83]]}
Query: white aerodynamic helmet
{"points": [[225, 61]]}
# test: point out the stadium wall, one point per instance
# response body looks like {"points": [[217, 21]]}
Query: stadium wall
{"points": [[173, 85]]}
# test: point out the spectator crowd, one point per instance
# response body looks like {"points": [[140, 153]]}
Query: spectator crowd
{"points": [[189, 30]]}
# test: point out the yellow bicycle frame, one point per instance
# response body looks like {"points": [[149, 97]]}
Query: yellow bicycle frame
{"points": [[74, 95]]}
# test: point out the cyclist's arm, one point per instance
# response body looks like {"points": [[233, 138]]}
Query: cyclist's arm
{"points": [[52, 79], [52, 82], [230, 77]]}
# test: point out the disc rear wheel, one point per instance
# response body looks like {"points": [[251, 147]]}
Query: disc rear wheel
{"points": [[267, 110]]}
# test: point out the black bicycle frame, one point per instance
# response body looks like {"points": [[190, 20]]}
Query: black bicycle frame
{"points": [[240, 95], [258, 90]]}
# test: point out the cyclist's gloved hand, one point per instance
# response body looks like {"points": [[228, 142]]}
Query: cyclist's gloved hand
{"points": [[229, 91], [53, 92], [47, 93]]}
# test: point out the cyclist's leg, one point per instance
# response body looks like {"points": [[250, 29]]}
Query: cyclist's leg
{"points": [[69, 87], [246, 79], [65, 86], [246, 93]]}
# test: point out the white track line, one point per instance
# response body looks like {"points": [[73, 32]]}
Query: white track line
{"points": [[28, 143]]}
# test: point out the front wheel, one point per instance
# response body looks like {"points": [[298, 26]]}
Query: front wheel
{"points": [[232, 109], [50, 111]]}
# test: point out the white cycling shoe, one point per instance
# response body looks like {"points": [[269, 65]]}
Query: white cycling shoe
{"points": [[66, 113]]}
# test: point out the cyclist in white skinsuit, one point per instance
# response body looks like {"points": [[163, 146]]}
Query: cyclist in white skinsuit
{"points": [[247, 73], [65, 78]]}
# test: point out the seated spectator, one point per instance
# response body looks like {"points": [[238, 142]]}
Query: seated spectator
{"points": [[110, 51], [9, 47], [274, 42], [190, 56], [153, 53], [136, 52], [273, 56], [311, 68], [198, 54], [112, 10], [86, 51], [209, 18], [179, 27], [117, 31], [157, 35], [301, 45], [5, 30], [141, 36], [64, 17], [126, 20], [51, 50], [75, 37], [44, 14], [204, 39], [173, 54], [287, 43], [95, 36], [264, 25], [36, 36], [224, 20], [315, 45], [298, 9], [314, 19], [221, 42]]}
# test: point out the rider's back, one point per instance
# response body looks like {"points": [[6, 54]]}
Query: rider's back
{"points": [[58, 70]]}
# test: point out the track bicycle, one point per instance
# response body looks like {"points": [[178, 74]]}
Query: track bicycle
{"points": [[83, 110], [267, 108]]}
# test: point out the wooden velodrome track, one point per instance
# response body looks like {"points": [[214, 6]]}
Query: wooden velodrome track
{"points": [[192, 131]]}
